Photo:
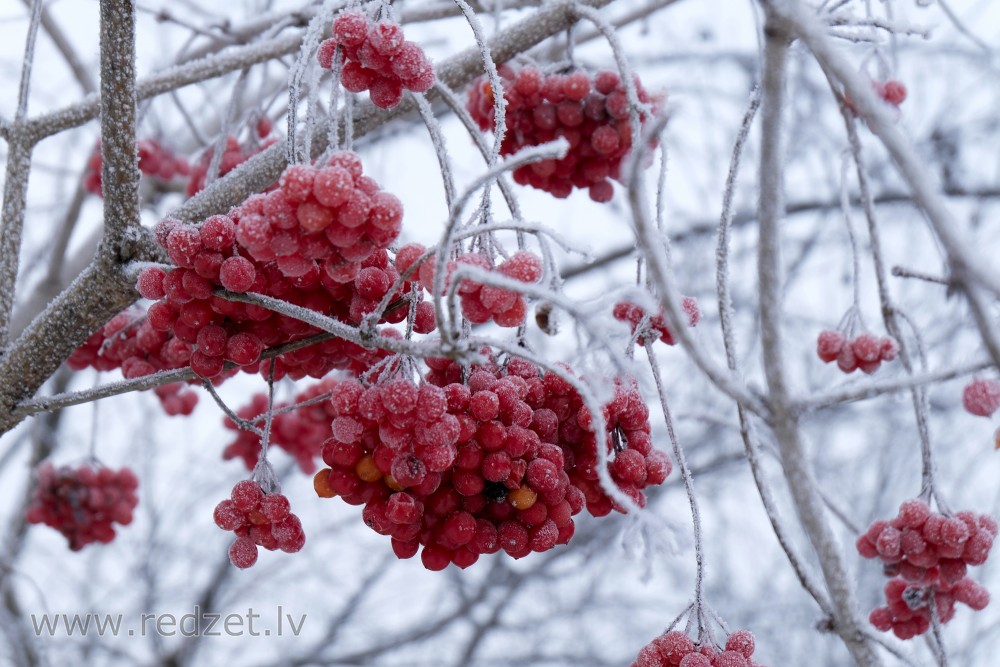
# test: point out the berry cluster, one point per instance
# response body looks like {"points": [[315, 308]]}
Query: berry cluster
{"points": [[275, 244], [83, 503], [465, 468], [154, 160], [233, 155], [676, 649], [626, 311], [927, 554], [981, 397], [866, 351], [259, 520], [300, 432], [376, 58], [480, 303], [447, 469], [590, 111]]}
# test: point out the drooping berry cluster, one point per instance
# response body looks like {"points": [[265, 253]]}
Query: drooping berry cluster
{"points": [[865, 351], [626, 311], [590, 111], [259, 520], [981, 397], [480, 303], [377, 58], [155, 160], [300, 432], [431, 472], [83, 503], [676, 649], [927, 555], [464, 468]]}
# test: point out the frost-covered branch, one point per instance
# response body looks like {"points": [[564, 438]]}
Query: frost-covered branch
{"points": [[799, 472]]}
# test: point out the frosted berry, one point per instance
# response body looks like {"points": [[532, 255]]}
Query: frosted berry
{"points": [[981, 397]]}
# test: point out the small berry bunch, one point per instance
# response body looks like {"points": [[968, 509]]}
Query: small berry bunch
{"points": [[626, 311], [981, 397], [865, 351], [259, 520], [83, 503], [927, 554], [155, 160], [676, 649], [590, 111], [233, 155], [480, 303], [377, 58]]}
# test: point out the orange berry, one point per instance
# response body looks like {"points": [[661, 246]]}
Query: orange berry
{"points": [[367, 470], [522, 498], [321, 483]]}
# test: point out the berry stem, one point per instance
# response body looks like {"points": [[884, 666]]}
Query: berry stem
{"points": [[678, 452], [937, 643], [798, 471], [890, 313]]}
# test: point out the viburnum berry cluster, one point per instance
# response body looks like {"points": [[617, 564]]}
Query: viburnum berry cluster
{"points": [[927, 554], [83, 503], [480, 303], [676, 649], [155, 160], [475, 467], [865, 351], [591, 111], [259, 520], [626, 311], [377, 58], [981, 397]]}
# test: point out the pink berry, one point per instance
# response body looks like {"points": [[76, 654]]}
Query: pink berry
{"points": [[829, 345], [243, 552], [981, 397]]}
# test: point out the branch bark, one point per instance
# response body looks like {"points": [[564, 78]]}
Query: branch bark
{"points": [[784, 423]]}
